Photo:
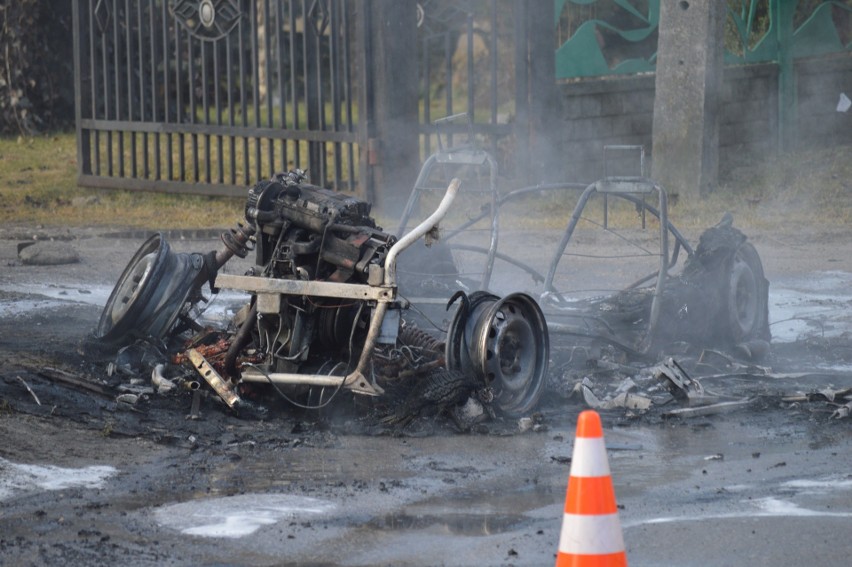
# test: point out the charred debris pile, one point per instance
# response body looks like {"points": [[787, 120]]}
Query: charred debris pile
{"points": [[324, 324]]}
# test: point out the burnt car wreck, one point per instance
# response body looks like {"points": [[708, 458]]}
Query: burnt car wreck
{"points": [[329, 310]]}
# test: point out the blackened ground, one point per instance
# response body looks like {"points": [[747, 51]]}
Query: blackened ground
{"points": [[378, 474]]}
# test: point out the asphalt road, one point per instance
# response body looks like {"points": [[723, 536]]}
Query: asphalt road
{"points": [[767, 485]]}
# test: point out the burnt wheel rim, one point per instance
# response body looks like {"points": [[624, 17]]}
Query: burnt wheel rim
{"points": [[133, 291], [512, 352], [743, 300]]}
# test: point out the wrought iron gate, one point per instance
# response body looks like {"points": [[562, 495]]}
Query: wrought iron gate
{"points": [[207, 96], [472, 66]]}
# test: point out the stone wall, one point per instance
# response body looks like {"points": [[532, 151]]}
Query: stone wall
{"points": [[820, 83], [619, 111]]}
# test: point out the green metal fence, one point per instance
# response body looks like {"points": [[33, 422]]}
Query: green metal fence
{"points": [[616, 37]]}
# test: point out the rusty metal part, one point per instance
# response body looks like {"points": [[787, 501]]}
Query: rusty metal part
{"points": [[237, 242], [241, 339], [357, 376], [413, 336], [213, 379], [208, 351]]}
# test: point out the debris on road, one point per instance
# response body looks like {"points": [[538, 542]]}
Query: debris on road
{"points": [[710, 409], [74, 381], [30, 390], [163, 384], [678, 382], [842, 411], [47, 253], [622, 398]]}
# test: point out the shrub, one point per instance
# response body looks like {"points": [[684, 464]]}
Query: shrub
{"points": [[36, 66]]}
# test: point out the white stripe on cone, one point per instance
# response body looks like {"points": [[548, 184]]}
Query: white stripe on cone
{"points": [[589, 457], [591, 535]]}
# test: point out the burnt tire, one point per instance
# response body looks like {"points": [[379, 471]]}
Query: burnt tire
{"points": [[745, 314]]}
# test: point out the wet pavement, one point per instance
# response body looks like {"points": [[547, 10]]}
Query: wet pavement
{"points": [[697, 494], [767, 485]]}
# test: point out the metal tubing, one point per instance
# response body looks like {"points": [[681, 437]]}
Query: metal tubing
{"points": [[662, 273], [664, 269], [293, 379], [361, 386], [419, 231], [357, 376], [569, 231], [414, 197], [162, 383], [241, 338], [495, 227]]}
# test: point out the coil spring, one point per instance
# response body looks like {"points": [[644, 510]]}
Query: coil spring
{"points": [[412, 336]]}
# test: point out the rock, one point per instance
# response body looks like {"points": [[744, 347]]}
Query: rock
{"points": [[85, 201], [48, 253], [471, 413]]}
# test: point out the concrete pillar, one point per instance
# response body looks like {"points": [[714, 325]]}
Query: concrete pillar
{"points": [[394, 151], [688, 92], [545, 161]]}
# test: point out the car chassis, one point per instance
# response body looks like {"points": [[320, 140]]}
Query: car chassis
{"points": [[325, 289]]}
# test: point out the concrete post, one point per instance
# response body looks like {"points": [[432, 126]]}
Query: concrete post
{"points": [[394, 152], [687, 101]]}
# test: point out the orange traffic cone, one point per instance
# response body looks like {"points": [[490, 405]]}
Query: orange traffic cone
{"points": [[591, 532]]}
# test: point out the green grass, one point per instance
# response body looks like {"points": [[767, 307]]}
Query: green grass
{"points": [[38, 187]]}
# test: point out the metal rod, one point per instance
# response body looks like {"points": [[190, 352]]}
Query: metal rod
{"points": [[179, 108], [142, 113], [155, 113], [357, 376], [292, 379], [232, 141], [117, 76], [167, 107], [255, 72], [205, 108], [315, 288], [419, 230]]}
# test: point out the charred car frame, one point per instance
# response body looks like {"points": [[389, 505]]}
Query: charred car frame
{"points": [[325, 312]]}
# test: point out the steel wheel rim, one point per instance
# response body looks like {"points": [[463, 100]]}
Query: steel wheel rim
{"points": [[512, 349], [134, 290], [743, 296]]}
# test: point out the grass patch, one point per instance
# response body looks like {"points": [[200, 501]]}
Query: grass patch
{"points": [[38, 187]]}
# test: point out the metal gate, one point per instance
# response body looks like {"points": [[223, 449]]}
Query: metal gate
{"points": [[208, 96], [473, 68]]}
